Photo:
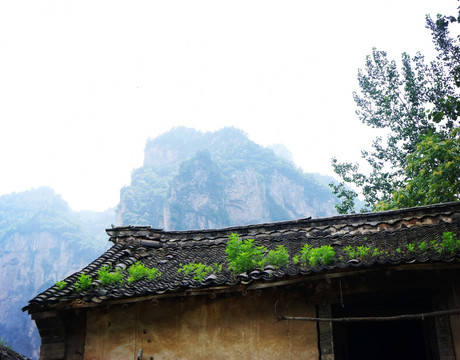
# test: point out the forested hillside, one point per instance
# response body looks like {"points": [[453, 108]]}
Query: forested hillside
{"points": [[42, 240], [195, 180]]}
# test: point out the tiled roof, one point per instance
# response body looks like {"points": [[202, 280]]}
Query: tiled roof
{"points": [[389, 232], [8, 354]]}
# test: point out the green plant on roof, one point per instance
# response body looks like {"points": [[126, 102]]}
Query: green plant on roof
{"points": [[450, 243], [422, 246], [108, 277], [243, 256], [138, 271], [410, 247], [83, 283], [61, 284], [376, 252], [363, 252], [278, 257], [351, 251], [435, 246], [200, 271], [314, 256]]}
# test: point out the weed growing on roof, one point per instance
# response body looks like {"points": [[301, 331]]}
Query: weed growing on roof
{"points": [[61, 285], [410, 247], [435, 246], [200, 271], [376, 252], [84, 282], [108, 277], [350, 251], [363, 252], [138, 271], [422, 246], [314, 256], [243, 256], [278, 257], [450, 243]]}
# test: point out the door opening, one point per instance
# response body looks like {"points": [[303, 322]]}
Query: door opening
{"points": [[408, 339]]}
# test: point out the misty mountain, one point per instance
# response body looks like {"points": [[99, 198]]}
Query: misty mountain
{"points": [[189, 180], [195, 180], [42, 241]]}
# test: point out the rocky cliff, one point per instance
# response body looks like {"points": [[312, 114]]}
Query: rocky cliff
{"points": [[194, 180], [42, 241]]}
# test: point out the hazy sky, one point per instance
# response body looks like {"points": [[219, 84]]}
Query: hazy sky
{"points": [[84, 84]]}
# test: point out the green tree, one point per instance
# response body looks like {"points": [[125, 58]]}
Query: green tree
{"points": [[432, 173], [410, 104]]}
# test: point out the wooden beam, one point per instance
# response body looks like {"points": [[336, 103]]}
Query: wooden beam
{"points": [[420, 316]]}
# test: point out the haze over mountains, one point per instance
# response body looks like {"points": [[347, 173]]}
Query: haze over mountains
{"points": [[194, 180], [189, 180]]}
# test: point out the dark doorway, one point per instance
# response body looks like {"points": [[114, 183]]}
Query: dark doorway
{"points": [[409, 339]]}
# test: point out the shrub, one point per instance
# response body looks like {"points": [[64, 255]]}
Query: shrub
{"points": [[278, 257], [84, 282], [138, 271], [244, 256], [106, 277], [200, 271]]}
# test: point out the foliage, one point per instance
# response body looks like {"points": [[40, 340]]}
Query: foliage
{"points": [[61, 284], [83, 283], [278, 257], [314, 256], [348, 196], [376, 252], [243, 256], [351, 251], [138, 271], [200, 271], [108, 277], [363, 251], [422, 246], [450, 243], [360, 252], [415, 105], [432, 173]]}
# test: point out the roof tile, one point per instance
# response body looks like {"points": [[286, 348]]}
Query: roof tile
{"points": [[167, 251]]}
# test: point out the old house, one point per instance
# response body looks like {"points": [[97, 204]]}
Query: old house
{"points": [[390, 290]]}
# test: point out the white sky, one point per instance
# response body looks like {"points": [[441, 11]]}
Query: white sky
{"points": [[84, 84]]}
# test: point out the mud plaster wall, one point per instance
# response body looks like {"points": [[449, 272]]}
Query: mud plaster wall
{"points": [[226, 327]]}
